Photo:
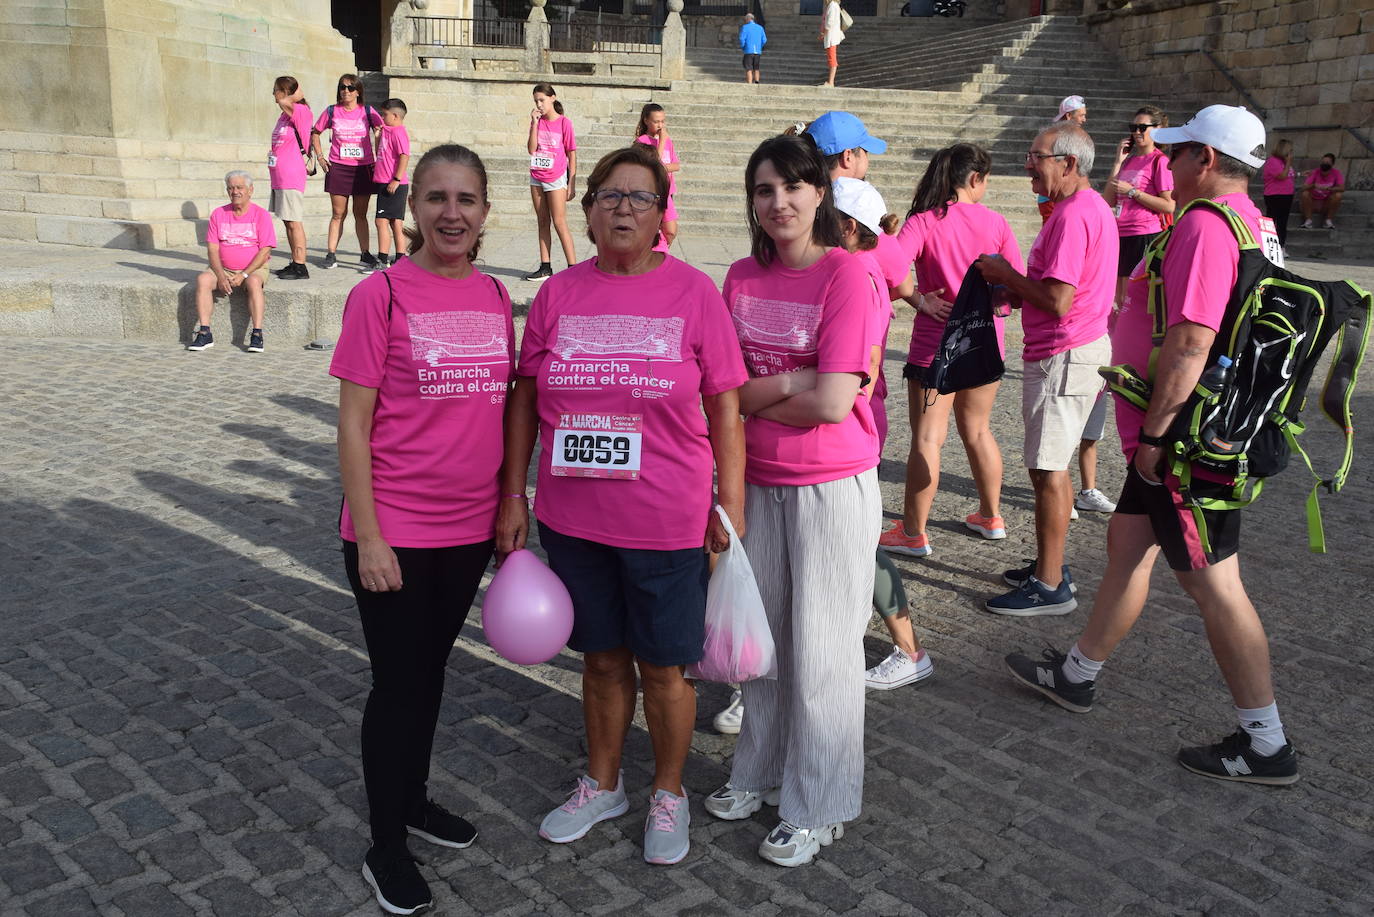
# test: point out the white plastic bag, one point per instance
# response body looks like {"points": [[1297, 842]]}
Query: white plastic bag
{"points": [[739, 645]]}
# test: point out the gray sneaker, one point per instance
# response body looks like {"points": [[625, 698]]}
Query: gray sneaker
{"points": [[665, 830], [731, 803], [788, 845], [586, 805]]}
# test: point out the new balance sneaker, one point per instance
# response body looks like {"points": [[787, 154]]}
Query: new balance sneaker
{"points": [[1232, 759], [1093, 501], [729, 720], [899, 669], [542, 272], [731, 804], [203, 340], [440, 826], [1019, 576], [587, 804], [788, 845], [1047, 677], [665, 830], [990, 527], [255, 341], [369, 261], [1034, 598], [896, 541], [330, 261], [396, 881]]}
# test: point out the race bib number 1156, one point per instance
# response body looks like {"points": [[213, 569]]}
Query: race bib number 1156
{"points": [[597, 446]]}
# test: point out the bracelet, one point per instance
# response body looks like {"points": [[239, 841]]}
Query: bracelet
{"points": [[1148, 440], [515, 497]]}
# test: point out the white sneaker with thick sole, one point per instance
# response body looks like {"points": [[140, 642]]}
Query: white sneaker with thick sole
{"points": [[788, 845], [729, 720], [731, 803], [899, 669]]}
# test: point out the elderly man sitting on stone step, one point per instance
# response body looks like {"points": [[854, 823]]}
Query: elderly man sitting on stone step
{"points": [[240, 239]]}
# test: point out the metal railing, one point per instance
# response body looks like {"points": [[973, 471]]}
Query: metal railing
{"points": [[604, 36], [446, 31]]}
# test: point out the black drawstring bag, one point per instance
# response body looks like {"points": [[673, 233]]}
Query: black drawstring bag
{"points": [[968, 355]]}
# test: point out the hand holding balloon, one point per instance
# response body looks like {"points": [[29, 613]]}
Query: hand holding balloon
{"points": [[527, 613]]}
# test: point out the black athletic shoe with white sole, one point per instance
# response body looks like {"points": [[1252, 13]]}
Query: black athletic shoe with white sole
{"points": [[396, 881], [1232, 759], [440, 826], [204, 340], [1047, 677], [1017, 578]]}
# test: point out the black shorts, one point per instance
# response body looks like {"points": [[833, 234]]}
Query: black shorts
{"points": [[1179, 529], [751, 61], [915, 373], [391, 206], [1132, 249]]}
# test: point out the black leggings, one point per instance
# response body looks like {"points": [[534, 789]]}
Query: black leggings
{"points": [[409, 634], [1277, 207]]}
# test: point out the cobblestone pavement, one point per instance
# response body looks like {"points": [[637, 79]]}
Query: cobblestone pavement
{"points": [[182, 677]]}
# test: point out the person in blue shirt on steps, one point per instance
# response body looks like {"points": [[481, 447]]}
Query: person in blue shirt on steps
{"points": [[751, 41]]}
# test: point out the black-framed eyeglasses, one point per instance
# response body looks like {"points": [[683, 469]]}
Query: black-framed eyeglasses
{"points": [[640, 201], [348, 87], [1034, 156], [1141, 127]]}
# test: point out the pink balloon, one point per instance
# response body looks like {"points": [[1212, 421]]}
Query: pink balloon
{"points": [[527, 613]]}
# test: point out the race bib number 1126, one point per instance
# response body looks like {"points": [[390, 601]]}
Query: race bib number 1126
{"points": [[597, 446]]}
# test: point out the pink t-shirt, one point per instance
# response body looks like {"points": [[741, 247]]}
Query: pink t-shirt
{"points": [[240, 238], [882, 320], [892, 260], [391, 146], [1323, 182], [1150, 175], [285, 164], [440, 353], [349, 140], [621, 365], [786, 320], [1078, 245], [1199, 271], [667, 153], [554, 140], [1278, 176], [944, 248]]}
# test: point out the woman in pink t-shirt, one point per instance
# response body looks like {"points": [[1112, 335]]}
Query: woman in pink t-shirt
{"points": [[287, 168], [804, 310], [629, 376], [1141, 188], [352, 125], [553, 176], [652, 130], [1278, 177], [946, 230], [1322, 192], [423, 361]]}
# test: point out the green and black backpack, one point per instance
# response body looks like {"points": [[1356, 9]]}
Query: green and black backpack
{"points": [[1275, 329]]}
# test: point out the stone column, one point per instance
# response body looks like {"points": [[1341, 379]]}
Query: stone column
{"points": [[673, 58], [398, 51], [536, 39]]}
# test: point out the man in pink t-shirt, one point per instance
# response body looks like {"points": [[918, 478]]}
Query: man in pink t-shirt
{"points": [[1322, 192], [1066, 296], [1215, 156], [239, 240]]}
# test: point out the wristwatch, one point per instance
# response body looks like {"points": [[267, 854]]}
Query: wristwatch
{"points": [[1133, 193], [1146, 439]]}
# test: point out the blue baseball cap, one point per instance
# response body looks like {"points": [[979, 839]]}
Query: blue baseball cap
{"points": [[837, 131]]}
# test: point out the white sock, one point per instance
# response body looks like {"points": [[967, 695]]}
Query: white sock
{"points": [[1078, 668], [1266, 732]]}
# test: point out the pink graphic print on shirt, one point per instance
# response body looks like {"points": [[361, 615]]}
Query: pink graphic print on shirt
{"points": [[777, 336], [592, 337], [454, 345]]}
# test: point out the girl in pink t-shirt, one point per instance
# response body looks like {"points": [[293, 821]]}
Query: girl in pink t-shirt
{"points": [[652, 130], [286, 165], [1141, 189], [424, 361], [803, 309], [553, 176], [945, 232]]}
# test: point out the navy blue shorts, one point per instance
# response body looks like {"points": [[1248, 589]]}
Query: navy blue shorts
{"points": [[653, 602]]}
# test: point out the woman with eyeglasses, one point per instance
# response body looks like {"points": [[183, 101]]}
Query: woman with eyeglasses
{"points": [[629, 374], [352, 126]]}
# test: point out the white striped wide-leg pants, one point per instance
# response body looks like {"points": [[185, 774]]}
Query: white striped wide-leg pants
{"points": [[812, 550]]}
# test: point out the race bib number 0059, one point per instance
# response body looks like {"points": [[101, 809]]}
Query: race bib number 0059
{"points": [[597, 446]]}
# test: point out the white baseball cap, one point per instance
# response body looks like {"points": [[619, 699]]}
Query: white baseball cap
{"points": [[1231, 129], [860, 200], [1072, 103]]}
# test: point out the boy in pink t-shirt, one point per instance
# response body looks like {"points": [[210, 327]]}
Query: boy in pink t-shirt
{"points": [[389, 173], [239, 242]]}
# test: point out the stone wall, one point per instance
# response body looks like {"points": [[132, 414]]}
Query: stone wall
{"points": [[1308, 63]]}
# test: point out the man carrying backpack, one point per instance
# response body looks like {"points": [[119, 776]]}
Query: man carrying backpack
{"points": [[1214, 156]]}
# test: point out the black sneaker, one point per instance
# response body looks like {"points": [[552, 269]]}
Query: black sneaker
{"points": [[440, 826], [204, 340], [369, 262], [330, 261], [255, 341], [383, 262], [1232, 759], [397, 882], [1047, 677], [1033, 598], [542, 272], [294, 271], [1019, 576]]}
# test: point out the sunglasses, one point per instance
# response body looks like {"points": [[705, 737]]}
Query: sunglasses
{"points": [[347, 87], [1141, 127]]}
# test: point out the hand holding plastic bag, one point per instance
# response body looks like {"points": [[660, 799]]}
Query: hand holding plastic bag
{"points": [[739, 645]]}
